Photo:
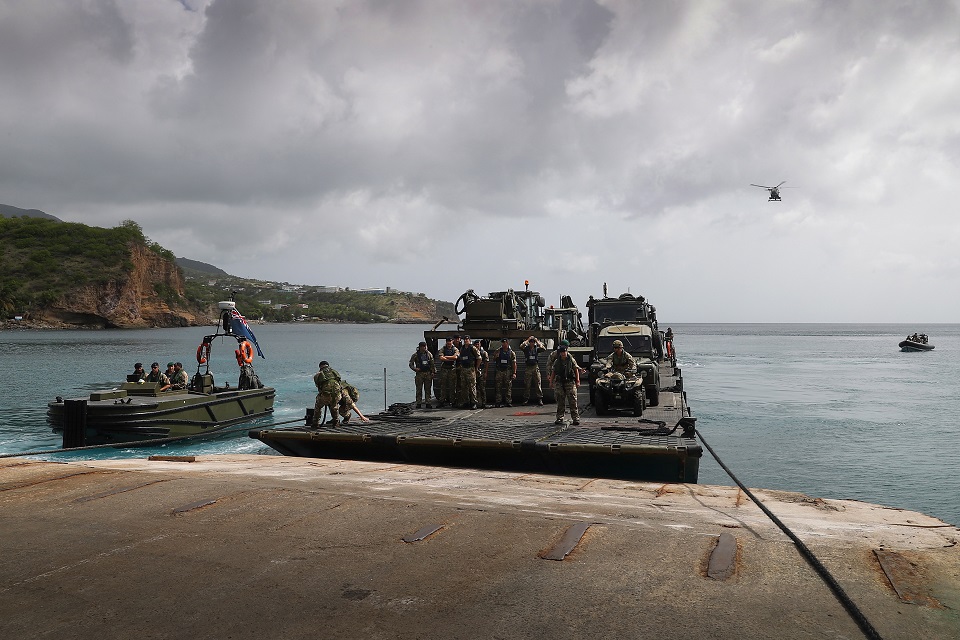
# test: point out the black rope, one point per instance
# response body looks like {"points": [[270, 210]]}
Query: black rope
{"points": [[821, 570], [136, 444]]}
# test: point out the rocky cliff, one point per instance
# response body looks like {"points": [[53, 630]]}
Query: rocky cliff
{"points": [[140, 298]]}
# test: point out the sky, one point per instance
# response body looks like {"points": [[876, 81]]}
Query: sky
{"points": [[440, 146]]}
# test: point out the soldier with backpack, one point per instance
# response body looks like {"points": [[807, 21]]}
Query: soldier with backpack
{"points": [[329, 392], [349, 395]]}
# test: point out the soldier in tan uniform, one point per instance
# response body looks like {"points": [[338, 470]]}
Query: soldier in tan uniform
{"points": [[421, 363]]}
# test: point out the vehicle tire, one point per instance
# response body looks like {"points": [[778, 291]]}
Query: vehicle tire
{"points": [[600, 404], [639, 403], [653, 395]]}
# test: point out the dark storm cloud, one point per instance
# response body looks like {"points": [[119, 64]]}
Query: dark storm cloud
{"points": [[361, 130]]}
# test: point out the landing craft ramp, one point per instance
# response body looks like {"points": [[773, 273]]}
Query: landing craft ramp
{"points": [[660, 446]]}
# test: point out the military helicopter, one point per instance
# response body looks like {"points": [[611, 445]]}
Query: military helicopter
{"points": [[774, 191]]}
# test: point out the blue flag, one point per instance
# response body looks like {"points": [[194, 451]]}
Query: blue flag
{"points": [[239, 326]]}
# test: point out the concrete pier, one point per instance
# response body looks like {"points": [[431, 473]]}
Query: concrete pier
{"points": [[279, 547]]}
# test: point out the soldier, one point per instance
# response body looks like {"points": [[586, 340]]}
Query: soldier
{"points": [[179, 379], [349, 395], [421, 363], [506, 363], [467, 364], [168, 375], [448, 360], [482, 375], [156, 375], [138, 371], [621, 361], [564, 380], [457, 389], [328, 393], [531, 373]]}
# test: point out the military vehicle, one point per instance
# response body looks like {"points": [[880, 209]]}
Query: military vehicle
{"points": [[568, 320], [139, 410], [632, 320], [515, 315]]}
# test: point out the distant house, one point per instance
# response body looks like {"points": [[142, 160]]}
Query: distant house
{"points": [[266, 302], [329, 289], [374, 290], [278, 307]]}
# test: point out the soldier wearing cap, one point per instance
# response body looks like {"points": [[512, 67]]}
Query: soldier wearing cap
{"points": [[467, 364], [621, 361], [457, 392], [506, 364], [448, 361], [482, 375], [167, 379], [156, 375], [329, 391], [564, 380], [421, 363], [531, 372]]}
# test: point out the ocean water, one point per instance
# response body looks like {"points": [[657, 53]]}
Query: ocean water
{"points": [[832, 411]]}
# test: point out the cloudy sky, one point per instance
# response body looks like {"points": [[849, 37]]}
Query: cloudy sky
{"points": [[437, 146]]}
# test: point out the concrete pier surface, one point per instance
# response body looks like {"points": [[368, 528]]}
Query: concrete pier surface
{"points": [[276, 547]]}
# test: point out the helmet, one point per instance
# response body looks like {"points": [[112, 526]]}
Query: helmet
{"points": [[617, 343]]}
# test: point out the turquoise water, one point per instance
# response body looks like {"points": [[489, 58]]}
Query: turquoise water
{"points": [[833, 411]]}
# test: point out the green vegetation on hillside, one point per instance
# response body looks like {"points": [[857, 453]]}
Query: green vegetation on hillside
{"points": [[344, 306], [41, 260]]}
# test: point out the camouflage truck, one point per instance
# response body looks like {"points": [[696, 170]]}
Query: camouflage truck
{"points": [[632, 320]]}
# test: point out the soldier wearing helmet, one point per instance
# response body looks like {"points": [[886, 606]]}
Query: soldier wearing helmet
{"points": [[621, 362]]}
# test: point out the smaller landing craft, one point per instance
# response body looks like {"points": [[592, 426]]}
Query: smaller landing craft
{"points": [[774, 191]]}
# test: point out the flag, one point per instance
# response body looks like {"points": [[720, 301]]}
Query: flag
{"points": [[239, 327]]}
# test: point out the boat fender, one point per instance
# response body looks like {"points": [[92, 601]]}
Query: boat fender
{"points": [[244, 353], [203, 353]]}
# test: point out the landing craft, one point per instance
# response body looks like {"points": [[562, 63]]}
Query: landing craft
{"points": [[774, 191]]}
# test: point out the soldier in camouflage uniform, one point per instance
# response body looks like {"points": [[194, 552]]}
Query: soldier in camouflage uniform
{"points": [[505, 361], [421, 363], [482, 375], [564, 379], [156, 375], [348, 402], [531, 371], [179, 379], [448, 361], [457, 392], [328, 394], [467, 364], [621, 361]]}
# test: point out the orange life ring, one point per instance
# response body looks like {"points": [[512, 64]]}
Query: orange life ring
{"points": [[203, 353], [245, 352]]}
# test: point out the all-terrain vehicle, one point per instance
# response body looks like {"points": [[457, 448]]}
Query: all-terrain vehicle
{"points": [[610, 389]]}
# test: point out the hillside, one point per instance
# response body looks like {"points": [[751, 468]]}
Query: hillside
{"points": [[69, 274], [8, 211], [62, 274]]}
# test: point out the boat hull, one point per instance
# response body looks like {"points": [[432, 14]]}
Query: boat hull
{"points": [[121, 418], [910, 345]]}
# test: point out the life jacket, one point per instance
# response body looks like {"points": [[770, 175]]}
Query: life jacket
{"points": [[448, 351], [531, 353], [468, 357], [563, 369], [423, 361], [504, 359]]}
